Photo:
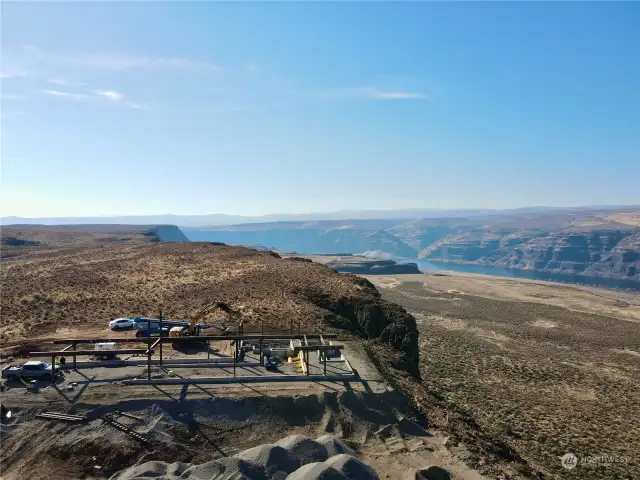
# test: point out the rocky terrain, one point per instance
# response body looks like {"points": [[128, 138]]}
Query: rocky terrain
{"points": [[361, 266], [589, 244]]}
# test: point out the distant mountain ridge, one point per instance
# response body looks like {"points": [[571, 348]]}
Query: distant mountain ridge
{"points": [[224, 219], [597, 241]]}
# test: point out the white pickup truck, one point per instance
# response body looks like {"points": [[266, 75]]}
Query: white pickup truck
{"points": [[32, 369]]}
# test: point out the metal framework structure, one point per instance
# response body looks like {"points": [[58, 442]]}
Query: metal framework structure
{"points": [[157, 342]]}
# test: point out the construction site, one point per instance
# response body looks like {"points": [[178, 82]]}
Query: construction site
{"points": [[228, 363], [251, 357], [246, 405]]}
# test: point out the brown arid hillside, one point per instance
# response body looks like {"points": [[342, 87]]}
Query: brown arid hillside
{"points": [[31, 240], [527, 370], [74, 290]]}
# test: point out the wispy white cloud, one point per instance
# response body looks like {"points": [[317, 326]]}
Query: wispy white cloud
{"points": [[376, 93], [135, 106], [96, 96], [368, 92], [55, 67], [58, 81], [399, 95], [69, 95], [65, 83], [120, 62], [110, 95], [44, 60]]}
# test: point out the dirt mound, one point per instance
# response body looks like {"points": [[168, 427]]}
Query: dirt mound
{"points": [[274, 459], [304, 449], [351, 467], [334, 445], [290, 458]]}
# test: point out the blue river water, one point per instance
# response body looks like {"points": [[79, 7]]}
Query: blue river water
{"points": [[530, 274]]}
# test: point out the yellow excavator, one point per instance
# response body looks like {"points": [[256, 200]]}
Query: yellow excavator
{"points": [[193, 329]]}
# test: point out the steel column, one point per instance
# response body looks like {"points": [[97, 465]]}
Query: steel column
{"points": [[161, 337]]}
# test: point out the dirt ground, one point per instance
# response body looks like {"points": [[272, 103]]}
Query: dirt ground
{"points": [[534, 369], [198, 423]]}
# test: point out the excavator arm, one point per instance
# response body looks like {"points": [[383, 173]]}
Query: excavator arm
{"points": [[208, 308]]}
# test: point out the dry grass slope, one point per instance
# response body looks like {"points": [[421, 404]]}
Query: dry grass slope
{"points": [[87, 287], [76, 290], [539, 380]]}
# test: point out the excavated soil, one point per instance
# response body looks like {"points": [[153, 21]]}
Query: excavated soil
{"points": [[198, 431]]}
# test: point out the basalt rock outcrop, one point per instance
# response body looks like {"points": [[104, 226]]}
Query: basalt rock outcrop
{"points": [[368, 315], [608, 253], [364, 266]]}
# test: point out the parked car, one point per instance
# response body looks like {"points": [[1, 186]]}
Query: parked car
{"points": [[121, 324], [32, 369]]}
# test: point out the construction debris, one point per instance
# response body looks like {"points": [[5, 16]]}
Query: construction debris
{"points": [[126, 429], [66, 417]]}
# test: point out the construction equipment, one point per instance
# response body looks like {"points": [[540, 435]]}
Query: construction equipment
{"points": [[193, 328]]}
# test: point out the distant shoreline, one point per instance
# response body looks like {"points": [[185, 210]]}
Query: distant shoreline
{"points": [[522, 274]]}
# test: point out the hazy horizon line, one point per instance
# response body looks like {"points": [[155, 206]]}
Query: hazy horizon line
{"points": [[342, 211]]}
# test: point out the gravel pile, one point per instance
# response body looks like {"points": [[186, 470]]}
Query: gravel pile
{"points": [[333, 445], [293, 458], [338, 467]]}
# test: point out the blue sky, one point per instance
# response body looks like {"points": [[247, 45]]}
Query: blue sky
{"points": [[255, 108]]}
